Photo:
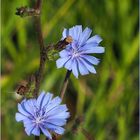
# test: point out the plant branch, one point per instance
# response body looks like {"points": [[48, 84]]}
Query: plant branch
{"points": [[36, 12], [65, 84], [39, 4], [43, 56]]}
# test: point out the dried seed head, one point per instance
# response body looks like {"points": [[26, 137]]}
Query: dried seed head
{"points": [[69, 39], [21, 90]]}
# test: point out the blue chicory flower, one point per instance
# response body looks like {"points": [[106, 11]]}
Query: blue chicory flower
{"points": [[77, 55], [42, 115]]}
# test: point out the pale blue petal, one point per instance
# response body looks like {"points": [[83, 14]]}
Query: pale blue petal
{"points": [[28, 122], [91, 59], [50, 126], [74, 45], [55, 102], [88, 66], [57, 129], [36, 131], [77, 31], [64, 53], [47, 99], [46, 132], [61, 115], [23, 101], [82, 69], [57, 110], [65, 33], [22, 110], [29, 128], [84, 36], [68, 48], [87, 47], [73, 33], [40, 99], [20, 117], [75, 68], [61, 61], [68, 64], [93, 50], [94, 39], [59, 122], [30, 105]]}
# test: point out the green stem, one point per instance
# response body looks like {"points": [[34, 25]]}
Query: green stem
{"points": [[65, 84], [37, 138]]}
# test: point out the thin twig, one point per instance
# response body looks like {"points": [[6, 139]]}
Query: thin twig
{"points": [[87, 134], [65, 84]]}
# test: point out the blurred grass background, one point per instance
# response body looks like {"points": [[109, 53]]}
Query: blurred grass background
{"points": [[109, 99]]}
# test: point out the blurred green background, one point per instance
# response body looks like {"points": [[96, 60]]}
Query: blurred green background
{"points": [[108, 100]]}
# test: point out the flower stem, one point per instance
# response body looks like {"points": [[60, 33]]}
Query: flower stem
{"points": [[39, 4], [36, 137], [43, 56], [39, 75], [65, 84]]}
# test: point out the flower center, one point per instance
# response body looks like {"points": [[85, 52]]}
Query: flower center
{"points": [[75, 53], [38, 120]]}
